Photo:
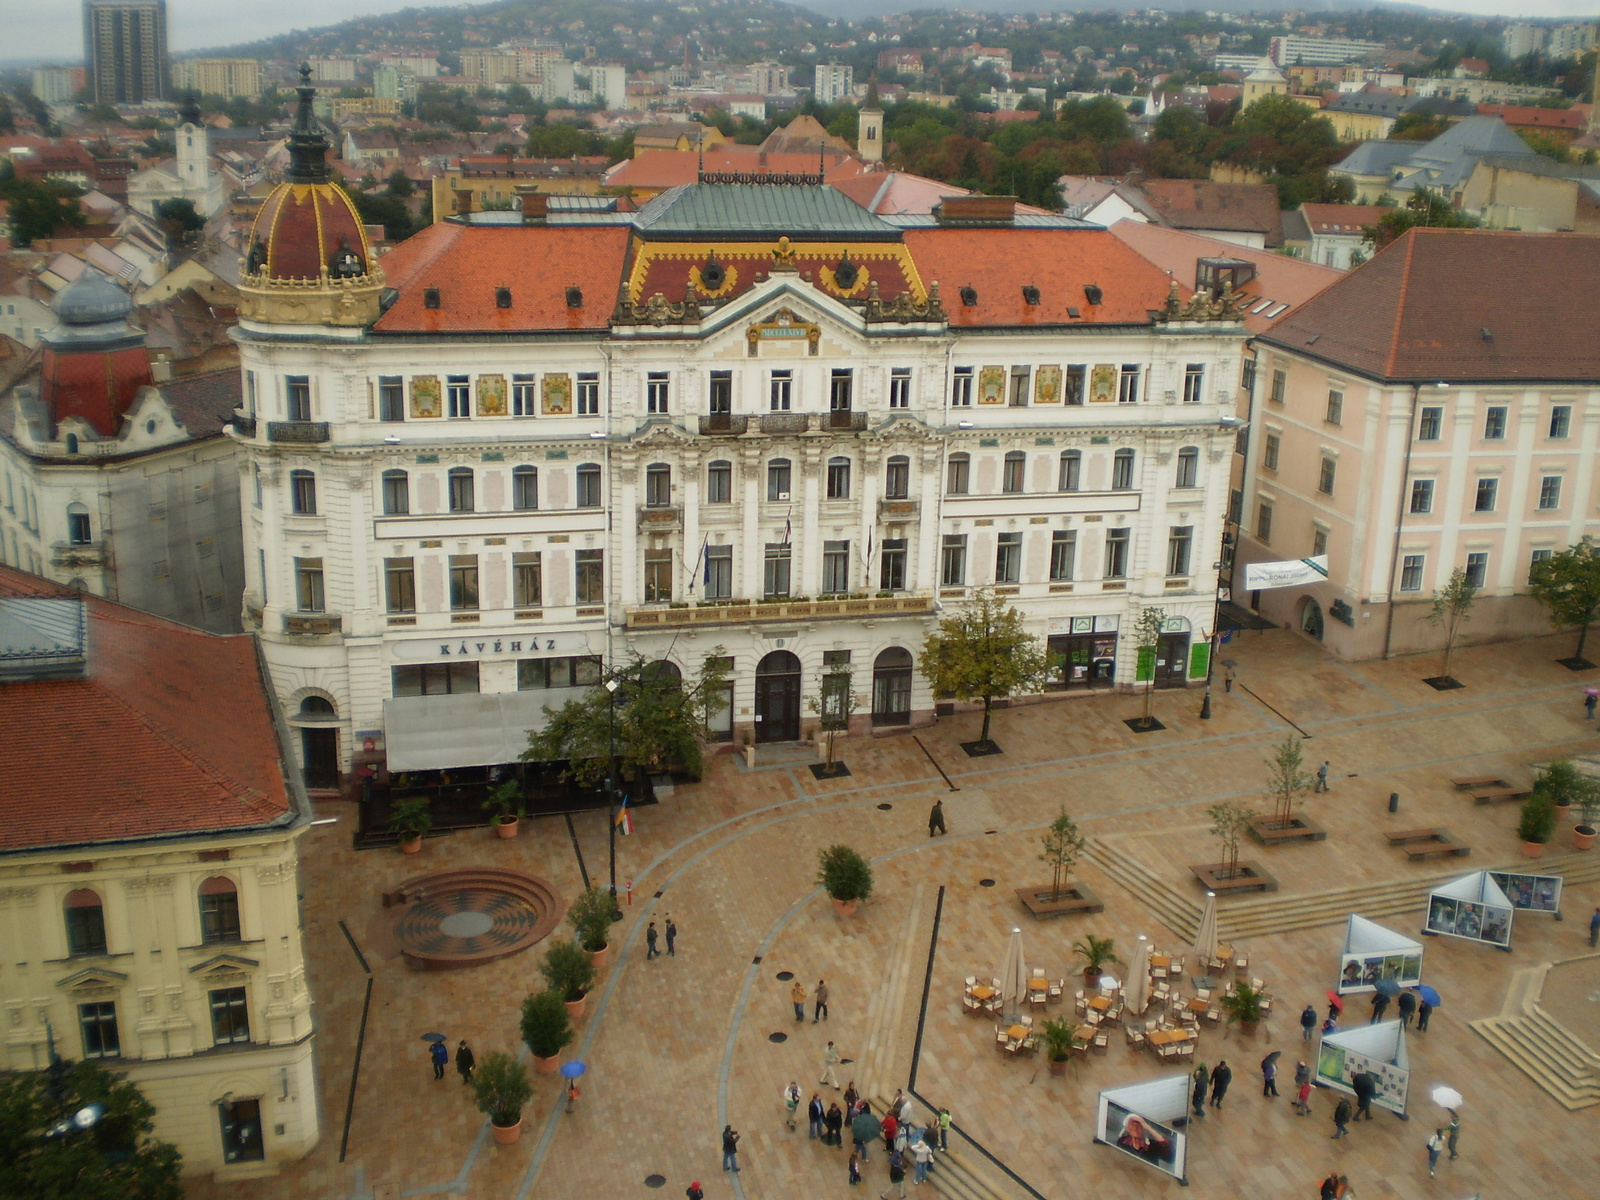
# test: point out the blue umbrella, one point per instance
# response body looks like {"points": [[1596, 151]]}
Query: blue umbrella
{"points": [[573, 1069], [1428, 994], [434, 1037]]}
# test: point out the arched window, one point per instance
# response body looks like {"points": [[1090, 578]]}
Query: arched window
{"points": [[658, 485], [663, 675], [1188, 467], [463, 495], [1015, 465], [1071, 470], [891, 687], [839, 478], [778, 476], [86, 923], [897, 478], [303, 492], [719, 482], [589, 485], [958, 474], [1122, 471], [72, 443], [78, 532], [396, 493], [219, 908], [525, 489], [318, 708]]}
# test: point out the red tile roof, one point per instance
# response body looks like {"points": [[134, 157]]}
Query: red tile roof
{"points": [[467, 263], [661, 169], [1524, 116], [169, 732], [999, 263], [1201, 205], [1342, 218], [1460, 305]]}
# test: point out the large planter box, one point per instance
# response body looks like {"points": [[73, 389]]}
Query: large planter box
{"points": [[1267, 831], [1249, 876], [1075, 898]]}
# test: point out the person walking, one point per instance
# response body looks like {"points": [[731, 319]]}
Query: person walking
{"points": [[440, 1057], [465, 1061], [855, 1170], [1322, 780], [1269, 1074], [1308, 1022], [1424, 1011], [815, 1116], [897, 1177], [730, 1148], [797, 997], [1589, 700], [944, 1130], [1407, 1006], [830, 1060], [923, 1154], [1330, 1187], [1227, 677], [1454, 1132], [694, 1192], [572, 1095], [820, 1013], [1362, 1081], [936, 818], [672, 938], [650, 936], [1380, 1005], [1202, 1080], [850, 1098], [1302, 1100], [1221, 1077], [1594, 928], [1341, 1118], [791, 1102], [834, 1121], [1435, 1145]]}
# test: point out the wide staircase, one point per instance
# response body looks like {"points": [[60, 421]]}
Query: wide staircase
{"points": [[955, 1173], [1540, 1046]]}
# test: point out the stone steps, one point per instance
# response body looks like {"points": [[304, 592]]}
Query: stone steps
{"points": [[1540, 1046], [953, 1173], [1163, 901]]}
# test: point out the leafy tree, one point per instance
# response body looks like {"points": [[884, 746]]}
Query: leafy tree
{"points": [[116, 1159], [1285, 780], [179, 219], [1452, 608], [38, 209], [1146, 637], [556, 141], [659, 722], [381, 208], [835, 702], [1418, 125], [1568, 585], [1426, 208], [982, 650], [399, 184], [1229, 820], [1545, 144], [1062, 844]]}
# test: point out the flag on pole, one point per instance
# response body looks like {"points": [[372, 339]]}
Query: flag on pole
{"points": [[788, 524], [624, 818]]}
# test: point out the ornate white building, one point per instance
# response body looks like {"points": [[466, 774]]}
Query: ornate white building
{"points": [[749, 420], [189, 176]]}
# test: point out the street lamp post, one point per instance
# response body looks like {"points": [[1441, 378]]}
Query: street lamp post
{"points": [[611, 778], [1229, 423]]}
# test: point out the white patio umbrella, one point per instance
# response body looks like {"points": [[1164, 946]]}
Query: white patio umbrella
{"points": [[1137, 994], [1205, 938], [1014, 976]]}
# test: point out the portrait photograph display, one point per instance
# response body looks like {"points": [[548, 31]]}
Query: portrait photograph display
{"points": [[1372, 953], [1473, 908], [1142, 1120], [1532, 893]]}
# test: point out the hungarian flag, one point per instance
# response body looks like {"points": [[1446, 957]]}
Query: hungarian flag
{"points": [[624, 819]]}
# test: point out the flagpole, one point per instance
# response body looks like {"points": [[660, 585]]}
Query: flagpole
{"points": [[611, 779]]}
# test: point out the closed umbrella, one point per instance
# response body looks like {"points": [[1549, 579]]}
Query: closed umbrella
{"points": [[1205, 938], [1014, 976], [1137, 993], [1428, 994]]}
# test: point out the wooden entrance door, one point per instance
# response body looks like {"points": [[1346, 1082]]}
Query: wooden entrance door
{"points": [[778, 698]]}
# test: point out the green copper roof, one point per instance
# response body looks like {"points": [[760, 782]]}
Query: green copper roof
{"points": [[795, 210]]}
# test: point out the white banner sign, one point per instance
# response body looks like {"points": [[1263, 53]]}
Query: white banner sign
{"points": [[1290, 573]]}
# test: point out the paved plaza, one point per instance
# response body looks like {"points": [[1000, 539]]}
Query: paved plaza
{"points": [[677, 1047]]}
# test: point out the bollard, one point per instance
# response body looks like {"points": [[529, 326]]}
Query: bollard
{"points": [[1394, 801], [630, 886]]}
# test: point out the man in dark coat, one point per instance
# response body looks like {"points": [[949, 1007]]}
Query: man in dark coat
{"points": [[1341, 1118], [936, 818], [1380, 1005], [1424, 1011], [1365, 1085], [1308, 1022], [1221, 1077], [1407, 1004], [1202, 1079], [834, 1120], [465, 1061]]}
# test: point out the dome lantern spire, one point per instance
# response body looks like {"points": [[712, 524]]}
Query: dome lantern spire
{"points": [[308, 148]]}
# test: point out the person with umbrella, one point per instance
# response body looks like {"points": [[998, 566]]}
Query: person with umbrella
{"points": [[1454, 1132], [1380, 1005], [865, 1129], [1429, 1000], [570, 1071], [1269, 1074], [1407, 1006], [1308, 1022], [1365, 1084], [440, 1057]]}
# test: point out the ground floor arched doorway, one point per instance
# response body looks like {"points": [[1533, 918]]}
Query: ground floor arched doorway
{"points": [[1311, 619], [891, 687], [778, 698]]}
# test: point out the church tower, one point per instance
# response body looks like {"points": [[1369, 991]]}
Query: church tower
{"points": [[194, 151], [869, 127]]}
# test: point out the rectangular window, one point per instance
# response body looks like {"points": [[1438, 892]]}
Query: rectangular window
{"points": [[463, 495], [657, 575], [1335, 413], [780, 391], [957, 474], [1179, 542], [658, 486], [1325, 476], [219, 917], [961, 388], [775, 576], [78, 528], [1429, 424], [527, 579], [591, 576], [1411, 573], [1071, 471], [1011, 479], [299, 397], [778, 479], [436, 679], [86, 930], [1538, 557], [463, 582], [1128, 384], [1319, 542], [900, 387], [589, 485], [656, 392], [1116, 554], [391, 398], [525, 489], [588, 393], [524, 396], [838, 479], [1422, 495], [1560, 420], [458, 396], [839, 390], [1236, 505], [1063, 555], [892, 574], [400, 585], [1194, 381], [1020, 379], [1072, 384], [835, 568], [1477, 568], [720, 399], [1264, 523], [1280, 385], [1494, 423], [1008, 559], [897, 478], [249, 391], [230, 1018], [719, 572], [396, 493], [99, 1024], [1270, 446], [1550, 492], [308, 585], [1488, 489], [1247, 376], [953, 561], [536, 674], [1122, 471], [303, 485], [719, 483]]}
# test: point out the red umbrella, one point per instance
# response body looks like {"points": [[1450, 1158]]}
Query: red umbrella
{"points": [[1336, 1000]]}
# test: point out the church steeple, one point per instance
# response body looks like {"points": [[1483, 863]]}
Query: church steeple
{"points": [[308, 146]]}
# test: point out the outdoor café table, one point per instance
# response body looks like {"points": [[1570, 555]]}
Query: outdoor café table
{"points": [[1161, 960], [1198, 1007], [1038, 985], [1168, 1037], [983, 993], [1017, 1032], [1100, 1002]]}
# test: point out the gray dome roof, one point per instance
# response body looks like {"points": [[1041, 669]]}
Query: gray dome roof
{"points": [[92, 299]]}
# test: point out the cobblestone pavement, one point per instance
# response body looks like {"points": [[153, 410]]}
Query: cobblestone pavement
{"points": [[677, 1047]]}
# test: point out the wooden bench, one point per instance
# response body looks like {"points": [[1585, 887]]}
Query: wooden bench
{"points": [[1490, 795], [1471, 783], [1426, 843]]}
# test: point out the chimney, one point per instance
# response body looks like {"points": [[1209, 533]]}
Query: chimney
{"points": [[535, 205], [463, 201], [976, 210]]}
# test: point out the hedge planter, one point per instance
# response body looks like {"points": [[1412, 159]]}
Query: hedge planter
{"points": [[598, 957], [575, 1007], [1058, 1066], [505, 1135]]}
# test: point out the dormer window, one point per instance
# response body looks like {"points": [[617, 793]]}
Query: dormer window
{"points": [[502, 297], [1092, 293], [574, 297], [846, 273], [1030, 294], [969, 297], [430, 297], [346, 263]]}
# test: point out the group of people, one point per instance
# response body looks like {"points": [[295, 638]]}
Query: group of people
{"points": [[652, 937], [797, 997], [439, 1055]]}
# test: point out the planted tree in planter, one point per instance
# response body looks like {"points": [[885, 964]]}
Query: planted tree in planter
{"points": [[546, 1028], [1229, 819], [409, 820], [1564, 784], [1452, 608], [569, 971], [835, 703], [592, 914], [1147, 637], [1243, 1006], [982, 650], [844, 875], [1285, 780], [1568, 585], [1062, 844], [1097, 954], [501, 1087], [1057, 1044], [505, 805], [1536, 823], [1583, 833]]}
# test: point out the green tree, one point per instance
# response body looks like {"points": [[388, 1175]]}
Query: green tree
{"points": [[1061, 844], [1568, 585], [835, 702], [1452, 608], [179, 219], [982, 650], [1426, 208], [556, 141], [399, 184], [1285, 780], [1146, 638], [381, 208], [39, 209], [1229, 820], [659, 722], [116, 1159]]}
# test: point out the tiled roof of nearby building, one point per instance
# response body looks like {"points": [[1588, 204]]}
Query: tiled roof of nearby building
{"points": [[1379, 156], [1376, 104], [1200, 204], [1342, 218], [1525, 116], [168, 731], [1460, 306], [890, 192], [805, 134], [204, 403], [729, 209], [674, 168]]}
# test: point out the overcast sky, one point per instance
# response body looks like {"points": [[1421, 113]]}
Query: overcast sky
{"points": [[54, 28]]}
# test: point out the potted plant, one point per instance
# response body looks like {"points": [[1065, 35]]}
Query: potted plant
{"points": [[505, 802], [1057, 1044], [845, 876], [1563, 783], [1243, 1006], [500, 1085], [1097, 955], [1536, 824], [547, 1029], [1589, 811], [592, 914], [409, 819], [569, 971]]}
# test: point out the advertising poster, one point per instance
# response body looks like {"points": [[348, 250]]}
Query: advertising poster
{"points": [[1141, 1137], [1535, 893]]}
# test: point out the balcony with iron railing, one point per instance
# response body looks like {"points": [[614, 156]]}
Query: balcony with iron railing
{"points": [[750, 612], [297, 432]]}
